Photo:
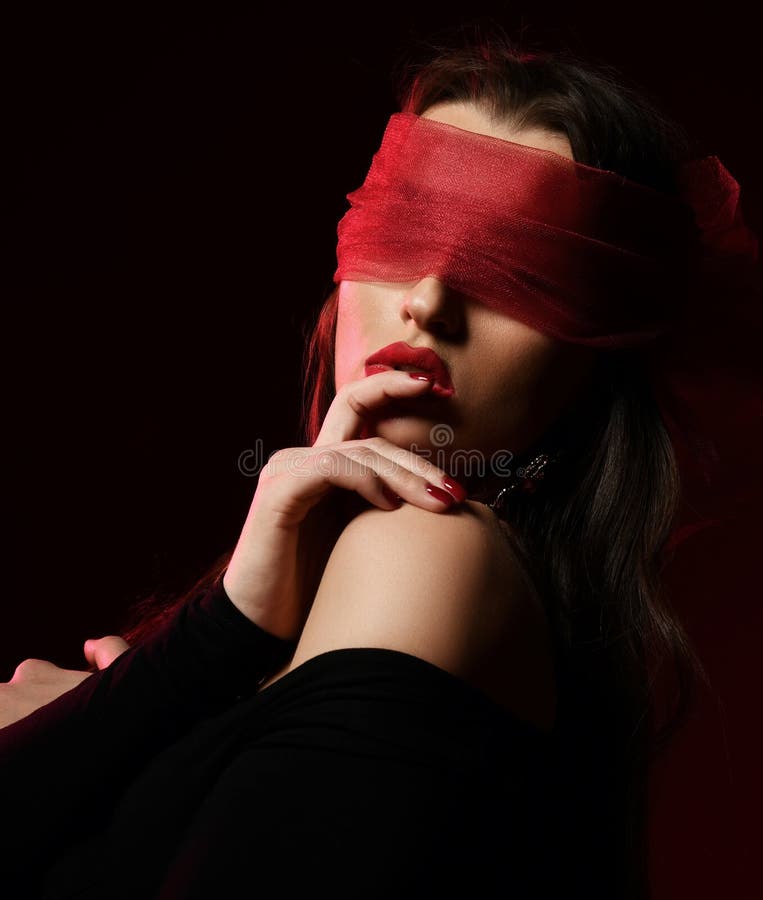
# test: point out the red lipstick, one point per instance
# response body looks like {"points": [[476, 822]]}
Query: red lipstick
{"points": [[418, 359]]}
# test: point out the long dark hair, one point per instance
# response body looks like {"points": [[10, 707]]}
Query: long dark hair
{"points": [[594, 537]]}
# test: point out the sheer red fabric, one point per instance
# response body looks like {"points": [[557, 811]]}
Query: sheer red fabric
{"points": [[587, 256]]}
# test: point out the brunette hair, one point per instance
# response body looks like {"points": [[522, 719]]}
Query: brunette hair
{"points": [[594, 537]]}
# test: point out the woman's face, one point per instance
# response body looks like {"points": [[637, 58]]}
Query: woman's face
{"points": [[511, 381]]}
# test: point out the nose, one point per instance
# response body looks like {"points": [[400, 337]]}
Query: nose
{"points": [[433, 306]]}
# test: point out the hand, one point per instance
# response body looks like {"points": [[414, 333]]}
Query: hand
{"points": [[285, 541], [36, 682]]}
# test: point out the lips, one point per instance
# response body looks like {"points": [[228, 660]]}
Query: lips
{"points": [[420, 359]]}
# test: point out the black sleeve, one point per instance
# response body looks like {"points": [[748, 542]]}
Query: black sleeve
{"points": [[63, 767]]}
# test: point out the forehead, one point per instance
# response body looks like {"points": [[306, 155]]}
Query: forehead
{"points": [[472, 117]]}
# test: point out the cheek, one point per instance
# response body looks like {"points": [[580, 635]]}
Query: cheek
{"points": [[342, 358], [548, 381], [349, 340], [516, 365], [525, 381], [362, 326]]}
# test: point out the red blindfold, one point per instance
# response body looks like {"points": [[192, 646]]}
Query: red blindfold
{"points": [[579, 253], [586, 256]]}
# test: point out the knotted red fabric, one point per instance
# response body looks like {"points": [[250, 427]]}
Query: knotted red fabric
{"points": [[588, 256]]}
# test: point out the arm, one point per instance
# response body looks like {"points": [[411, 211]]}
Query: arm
{"points": [[63, 766], [71, 759], [444, 588]]}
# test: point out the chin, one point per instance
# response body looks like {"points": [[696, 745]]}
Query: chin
{"points": [[411, 432]]}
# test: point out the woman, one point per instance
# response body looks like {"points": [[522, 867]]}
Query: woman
{"points": [[424, 668]]}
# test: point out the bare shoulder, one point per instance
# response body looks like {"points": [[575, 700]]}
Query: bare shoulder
{"points": [[446, 587]]}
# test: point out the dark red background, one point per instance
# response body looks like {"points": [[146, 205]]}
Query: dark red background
{"points": [[174, 193]]}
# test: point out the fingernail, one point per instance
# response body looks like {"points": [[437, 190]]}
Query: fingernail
{"points": [[455, 488], [391, 495], [439, 494], [422, 376]]}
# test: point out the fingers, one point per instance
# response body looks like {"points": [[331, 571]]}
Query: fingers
{"points": [[35, 683], [407, 474], [356, 400], [374, 468], [41, 673], [379, 476], [36, 671], [102, 652]]}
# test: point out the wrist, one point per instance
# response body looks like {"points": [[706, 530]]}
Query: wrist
{"points": [[273, 617]]}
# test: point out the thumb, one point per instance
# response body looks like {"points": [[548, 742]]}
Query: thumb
{"points": [[102, 652]]}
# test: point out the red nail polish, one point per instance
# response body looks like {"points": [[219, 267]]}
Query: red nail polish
{"points": [[439, 494], [455, 488]]}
